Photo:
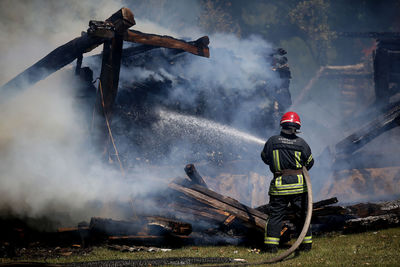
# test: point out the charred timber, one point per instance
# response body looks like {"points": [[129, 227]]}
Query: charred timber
{"points": [[368, 132], [111, 63], [194, 175], [227, 204], [325, 202], [198, 47], [371, 223], [153, 226]]}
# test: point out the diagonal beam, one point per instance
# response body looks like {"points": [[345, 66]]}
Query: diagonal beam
{"points": [[198, 47], [106, 30]]}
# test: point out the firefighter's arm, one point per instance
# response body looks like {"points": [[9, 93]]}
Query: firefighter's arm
{"points": [[309, 162], [309, 158], [264, 154]]}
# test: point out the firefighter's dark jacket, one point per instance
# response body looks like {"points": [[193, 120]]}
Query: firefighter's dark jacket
{"points": [[287, 152]]}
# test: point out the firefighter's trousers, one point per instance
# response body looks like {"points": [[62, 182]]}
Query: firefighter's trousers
{"points": [[278, 206]]}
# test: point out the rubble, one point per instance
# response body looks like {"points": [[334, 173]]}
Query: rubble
{"points": [[201, 216]]}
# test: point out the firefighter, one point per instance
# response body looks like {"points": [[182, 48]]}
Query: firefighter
{"points": [[286, 154]]}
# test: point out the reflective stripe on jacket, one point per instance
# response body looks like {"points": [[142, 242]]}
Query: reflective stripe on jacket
{"points": [[287, 152]]}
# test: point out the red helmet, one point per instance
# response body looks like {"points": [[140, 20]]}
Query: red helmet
{"points": [[291, 118]]}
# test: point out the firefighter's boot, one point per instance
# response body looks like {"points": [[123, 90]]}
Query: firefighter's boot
{"points": [[270, 248], [305, 247]]}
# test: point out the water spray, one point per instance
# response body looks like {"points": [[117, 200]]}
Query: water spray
{"points": [[208, 128]]}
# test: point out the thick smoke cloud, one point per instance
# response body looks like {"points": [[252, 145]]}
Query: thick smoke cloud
{"points": [[47, 165]]}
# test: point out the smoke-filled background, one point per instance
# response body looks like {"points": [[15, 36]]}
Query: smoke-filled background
{"points": [[48, 166]]}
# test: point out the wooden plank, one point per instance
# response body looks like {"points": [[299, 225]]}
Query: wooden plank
{"points": [[198, 47], [325, 202], [244, 213], [368, 132], [230, 219], [229, 201], [173, 226], [191, 213]]}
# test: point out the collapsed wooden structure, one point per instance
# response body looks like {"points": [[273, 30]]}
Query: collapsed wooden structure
{"points": [[111, 33], [195, 214]]}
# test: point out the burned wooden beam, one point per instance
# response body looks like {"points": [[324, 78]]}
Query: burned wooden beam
{"points": [[108, 227], [227, 204], [112, 52], [325, 202], [110, 69], [121, 20], [196, 213], [194, 175], [368, 132], [149, 226], [371, 223], [171, 226], [198, 47]]}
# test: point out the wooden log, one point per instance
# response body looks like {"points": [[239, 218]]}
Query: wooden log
{"points": [[227, 204], [229, 201], [198, 47], [210, 215], [329, 210], [372, 223], [172, 226], [325, 202], [368, 132], [151, 225], [107, 227], [194, 176], [374, 209]]}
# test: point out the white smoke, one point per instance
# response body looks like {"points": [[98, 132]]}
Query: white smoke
{"points": [[47, 163]]}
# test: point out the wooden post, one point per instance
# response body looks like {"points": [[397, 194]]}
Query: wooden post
{"points": [[109, 77], [194, 176]]}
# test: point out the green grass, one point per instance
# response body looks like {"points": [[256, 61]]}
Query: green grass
{"points": [[366, 249]]}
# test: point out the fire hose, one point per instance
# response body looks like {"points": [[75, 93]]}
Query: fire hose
{"points": [[301, 236], [305, 227]]}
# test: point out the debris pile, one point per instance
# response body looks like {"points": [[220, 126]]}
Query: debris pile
{"points": [[193, 214]]}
